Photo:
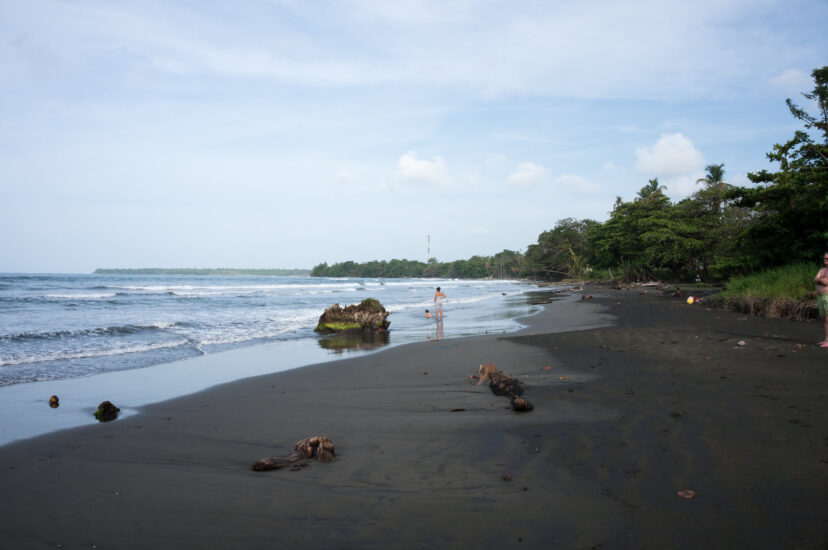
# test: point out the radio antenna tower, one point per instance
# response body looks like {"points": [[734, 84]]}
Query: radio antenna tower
{"points": [[428, 255]]}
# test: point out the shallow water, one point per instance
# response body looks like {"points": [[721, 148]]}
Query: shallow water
{"points": [[65, 326], [134, 379]]}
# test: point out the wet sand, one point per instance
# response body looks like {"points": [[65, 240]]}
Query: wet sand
{"points": [[627, 415]]}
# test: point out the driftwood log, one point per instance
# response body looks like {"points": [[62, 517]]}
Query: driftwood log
{"points": [[317, 447], [500, 384], [520, 404]]}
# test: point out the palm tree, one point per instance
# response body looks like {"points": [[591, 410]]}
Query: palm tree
{"points": [[650, 189], [714, 181]]}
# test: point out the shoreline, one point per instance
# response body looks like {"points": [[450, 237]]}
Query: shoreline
{"points": [[627, 415], [23, 405]]}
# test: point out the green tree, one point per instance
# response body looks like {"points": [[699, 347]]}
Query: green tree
{"points": [[715, 185], [506, 264], [644, 236], [791, 206], [651, 189], [552, 257]]}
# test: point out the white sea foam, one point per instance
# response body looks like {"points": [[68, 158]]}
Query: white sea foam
{"points": [[120, 350], [258, 329], [93, 296]]}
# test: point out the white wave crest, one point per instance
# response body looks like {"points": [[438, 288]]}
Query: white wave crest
{"points": [[141, 348], [93, 296]]}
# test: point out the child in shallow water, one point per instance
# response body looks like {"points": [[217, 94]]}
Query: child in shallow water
{"points": [[428, 314]]}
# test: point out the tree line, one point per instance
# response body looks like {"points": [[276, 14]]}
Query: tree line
{"points": [[719, 231], [219, 271], [503, 265]]}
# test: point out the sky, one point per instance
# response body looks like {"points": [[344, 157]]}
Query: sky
{"points": [[284, 134]]}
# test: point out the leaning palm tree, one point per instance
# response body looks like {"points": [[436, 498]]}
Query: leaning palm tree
{"points": [[650, 189], [714, 181]]}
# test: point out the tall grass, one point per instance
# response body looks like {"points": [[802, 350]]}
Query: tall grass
{"points": [[791, 282]]}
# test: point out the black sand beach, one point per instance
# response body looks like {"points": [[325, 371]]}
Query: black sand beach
{"points": [[663, 400]]}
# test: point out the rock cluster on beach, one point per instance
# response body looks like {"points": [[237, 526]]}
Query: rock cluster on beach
{"points": [[369, 315]]}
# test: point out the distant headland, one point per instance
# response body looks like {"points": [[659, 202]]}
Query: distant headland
{"points": [[220, 271]]}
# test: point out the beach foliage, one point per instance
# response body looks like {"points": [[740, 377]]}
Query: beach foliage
{"points": [[790, 206], [646, 235], [785, 291], [788, 282], [558, 252], [503, 265]]}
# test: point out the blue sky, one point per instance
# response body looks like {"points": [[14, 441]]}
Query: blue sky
{"points": [[288, 133]]}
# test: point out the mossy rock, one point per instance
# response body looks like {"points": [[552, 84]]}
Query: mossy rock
{"points": [[337, 326], [368, 315], [371, 305], [106, 412]]}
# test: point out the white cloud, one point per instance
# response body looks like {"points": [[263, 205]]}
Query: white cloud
{"points": [[671, 155], [682, 185], [675, 161], [739, 179], [569, 49], [793, 80], [477, 231], [343, 176], [422, 171], [576, 183], [388, 185], [527, 174]]}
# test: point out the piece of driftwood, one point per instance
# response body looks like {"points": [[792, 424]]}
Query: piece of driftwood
{"points": [[501, 384], [520, 404], [317, 447]]}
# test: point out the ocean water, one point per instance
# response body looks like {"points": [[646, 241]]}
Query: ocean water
{"points": [[55, 327]]}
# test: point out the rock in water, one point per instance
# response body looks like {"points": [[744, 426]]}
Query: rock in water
{"points": [[106, 412], [369, 315]]}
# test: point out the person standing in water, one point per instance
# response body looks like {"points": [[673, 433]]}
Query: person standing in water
{"points": [[439, 296]]}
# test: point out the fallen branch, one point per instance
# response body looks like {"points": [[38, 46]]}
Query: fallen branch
{"points": [[321, 448], [500, 384]]}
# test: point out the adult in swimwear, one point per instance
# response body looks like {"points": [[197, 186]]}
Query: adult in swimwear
{"points": [[439, 296], [821, 281]]}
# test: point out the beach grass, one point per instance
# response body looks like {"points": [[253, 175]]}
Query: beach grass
{"points": [[790, 282], [785, 292]]}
